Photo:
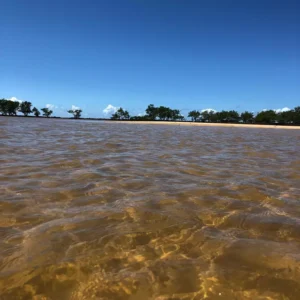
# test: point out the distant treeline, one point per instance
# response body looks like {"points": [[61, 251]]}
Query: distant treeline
{"points": [[152, 113], [162, 113], [10, 108]]}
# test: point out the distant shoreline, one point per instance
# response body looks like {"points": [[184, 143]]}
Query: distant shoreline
{"points": [[178, 123], [210, 124]]}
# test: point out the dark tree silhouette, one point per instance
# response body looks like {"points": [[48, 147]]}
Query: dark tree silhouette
{"points": [[194, 115], [207, 116], [75, 112], [151, 112], [4, 107], [8, 107], [25, 108], [46, 112], [120, 114], [36, 112], [247, 117], [163, 113], [267, 117]]}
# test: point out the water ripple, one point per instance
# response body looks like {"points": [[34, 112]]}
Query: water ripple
{"points": [[95, 210]]}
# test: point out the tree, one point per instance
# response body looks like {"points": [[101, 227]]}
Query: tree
{"points": [[175, 115], [285, 117], [3, 107], [163, 113], [8, 107], [267, 116], [46, 112], [139, 118], [25, 108], [208, 116], [166, 113], [36, 112], [120, 114], [13, 107], [247, 117], [194, 115], [151, 112], [289, 117], [233, 116], [76, 113], [226, 116], [296, 115], [126, 115]]}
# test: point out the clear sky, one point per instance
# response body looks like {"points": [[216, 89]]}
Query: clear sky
{"points": [[186, 54]]}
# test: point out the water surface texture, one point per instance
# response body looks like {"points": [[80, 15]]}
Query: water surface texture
{"points": [[95, 210]]}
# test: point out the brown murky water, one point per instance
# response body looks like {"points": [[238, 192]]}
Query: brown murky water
{"points": [[91, 210]]}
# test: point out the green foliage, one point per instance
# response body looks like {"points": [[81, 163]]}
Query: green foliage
{"points": [[13, 107], [46, 112], [36, 112], [266, 117], [296, 115], [224, 116], [8, 107], [232, 116], [180, 118], [152, 112], [75, 112], [289, 117], [162, 113], [207, 116], [139, 118], [25, 108], [247, 117], [175, 115], [3, 107], [194, 115], [120, 114]]}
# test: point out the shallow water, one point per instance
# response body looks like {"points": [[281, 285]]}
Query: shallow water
{"points": [[95, 210]]}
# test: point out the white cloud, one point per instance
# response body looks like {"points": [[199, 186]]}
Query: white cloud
{"points": [[208, 110], [279, 110], [50, 106], [110, 109], [15, 99], [75, 107]]}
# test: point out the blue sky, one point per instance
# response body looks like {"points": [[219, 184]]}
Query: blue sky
{"points": [[184, 54]]}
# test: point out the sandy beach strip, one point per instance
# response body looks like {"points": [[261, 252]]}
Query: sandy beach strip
{"points": [[206, 124]]}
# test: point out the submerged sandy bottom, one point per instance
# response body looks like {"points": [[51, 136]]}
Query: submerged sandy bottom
{"points": [[91, 210]]}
